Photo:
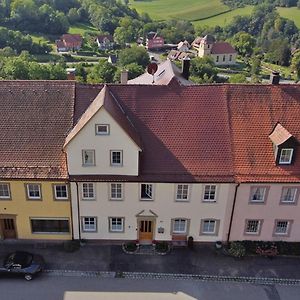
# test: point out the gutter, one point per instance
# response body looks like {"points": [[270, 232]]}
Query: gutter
{"points": [[232, 212], [78, 211]]}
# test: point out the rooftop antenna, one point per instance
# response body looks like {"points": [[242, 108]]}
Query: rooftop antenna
{"points": [[151, 69]]}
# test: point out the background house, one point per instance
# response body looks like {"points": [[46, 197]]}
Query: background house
{"points": [[105, 42], [69, 42], [154, 41], [222, 53]]}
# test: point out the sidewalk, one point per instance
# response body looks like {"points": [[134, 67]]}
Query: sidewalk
{"points": [[202, 260]]}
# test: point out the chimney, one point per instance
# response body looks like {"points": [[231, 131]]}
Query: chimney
{"points": [[124, 76], [274, 78], [186, 67]]}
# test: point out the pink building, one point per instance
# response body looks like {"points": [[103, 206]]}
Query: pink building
{"points": [[154, 41]]}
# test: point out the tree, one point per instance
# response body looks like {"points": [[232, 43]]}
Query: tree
{"points": [[238, 78], [73, 15], [244, 43], [298, 4], [295, 65], [203, 70], [103, 72], [279, 52], [134, 54]]}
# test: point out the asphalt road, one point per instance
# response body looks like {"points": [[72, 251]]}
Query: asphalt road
{"points": [[50, 287]]}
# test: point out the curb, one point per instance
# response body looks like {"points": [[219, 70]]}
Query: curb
{"points": [[169, 276]]}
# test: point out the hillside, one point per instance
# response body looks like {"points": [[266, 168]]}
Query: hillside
{"points": [[292, 13]]}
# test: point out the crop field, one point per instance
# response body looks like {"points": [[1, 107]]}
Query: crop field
{"points": [[225, 18], [292, 13], [191, 10]]}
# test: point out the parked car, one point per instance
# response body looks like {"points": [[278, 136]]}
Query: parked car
{"points": [[22, 263]]}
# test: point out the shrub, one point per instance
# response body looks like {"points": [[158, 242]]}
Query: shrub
{"points": [[130, 246], [237, 249], [162, 247]]}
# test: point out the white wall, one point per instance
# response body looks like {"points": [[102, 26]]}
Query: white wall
{"points": [[102, 144], [164, 205], [226, 62]]}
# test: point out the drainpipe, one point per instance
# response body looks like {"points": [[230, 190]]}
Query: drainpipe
{"points": [[232, 213], [78, 211]]}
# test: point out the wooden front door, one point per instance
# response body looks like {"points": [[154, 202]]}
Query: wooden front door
{"points": [[8, 228], [146, 231]]}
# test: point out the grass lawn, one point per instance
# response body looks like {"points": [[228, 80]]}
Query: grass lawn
{"points": [[81, 28], [177, 9], [292, 13], [226, 18], [284, 71]]}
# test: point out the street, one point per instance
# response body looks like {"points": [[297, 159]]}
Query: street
{"points": [[53, 287]]}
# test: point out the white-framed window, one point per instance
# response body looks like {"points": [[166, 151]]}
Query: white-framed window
{"points": [[88, 157], [33, 191], [258, 194], [4, 191], [230, 57], [286, 155], [61, 191], [89, 224], [289, 195], [88, 191], [116, 191], [146, 191], [253, 226], [224, 57], [180, 226], [182, 192], [282, 227], [116, 224], [116, 157], [210, 192], [217, 59], [208, 226], [102, 129]]}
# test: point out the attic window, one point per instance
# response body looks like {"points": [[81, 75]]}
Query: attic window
{"points": [[102, 129], [286, 155]]}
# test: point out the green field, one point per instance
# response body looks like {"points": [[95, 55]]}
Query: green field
{"points": [[226, 18], [292, 13], [178, 9], [80, 28]]}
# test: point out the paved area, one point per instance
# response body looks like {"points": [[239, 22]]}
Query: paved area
{"points": [[202, 260]]}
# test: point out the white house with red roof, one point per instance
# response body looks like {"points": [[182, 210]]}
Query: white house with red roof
{"points": [[222, 53], [105, 41], [69, 42]]}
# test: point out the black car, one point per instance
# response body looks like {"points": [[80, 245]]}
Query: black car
{"points": [[22, 263]]}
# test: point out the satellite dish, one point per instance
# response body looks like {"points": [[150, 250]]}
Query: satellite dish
{"points": [[152, 68]]}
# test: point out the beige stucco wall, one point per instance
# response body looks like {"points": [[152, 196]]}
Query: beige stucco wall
{"points": [[226, 62], [86, 139], [269, 212], [164, 206]]}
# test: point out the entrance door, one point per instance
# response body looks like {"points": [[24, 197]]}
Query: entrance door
{"points": [[146, 231], [8, 228]]}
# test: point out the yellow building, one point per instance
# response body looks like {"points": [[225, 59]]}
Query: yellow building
{"points": [[34, 192]]}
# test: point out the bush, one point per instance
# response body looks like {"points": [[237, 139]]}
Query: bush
{"points": [[237, 249], [162, 247], [130, 247]]}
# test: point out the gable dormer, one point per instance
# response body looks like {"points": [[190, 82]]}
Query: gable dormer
{"points": [[104, 141], [284, 145]]}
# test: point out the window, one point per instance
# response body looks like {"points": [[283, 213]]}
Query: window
{"points": [[209, 193], [253, 226], [60, 191], [49, 226], [286, 156], [282, 227], [88, 191], [182, 193], [88, 157], [116, 224], [4, 191], [224, 57], [288, 195], [208, 227], [116, 191], [146, 191], [33, 191], [217, 59], [102, 129], [180, 226], [258, 194], [116, 158], [230, 57], [89, 224]]}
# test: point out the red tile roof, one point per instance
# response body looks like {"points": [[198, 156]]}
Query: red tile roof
{"points": [[222, 48], [71, 40], [35, 117], [105, 37]]}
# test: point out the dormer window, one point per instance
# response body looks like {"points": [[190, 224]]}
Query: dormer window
{"points": [[286, 155], [102, 129], [284, 145]]}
